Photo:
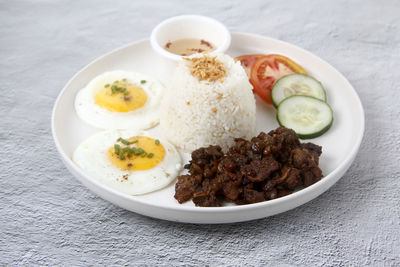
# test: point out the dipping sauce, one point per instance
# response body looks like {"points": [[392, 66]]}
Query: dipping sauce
{"points": [[188, 46]]}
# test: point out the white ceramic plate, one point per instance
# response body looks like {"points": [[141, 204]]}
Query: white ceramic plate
{"points": [[340, 144]]}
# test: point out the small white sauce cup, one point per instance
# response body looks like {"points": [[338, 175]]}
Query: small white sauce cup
{"points": [[189, 26]]}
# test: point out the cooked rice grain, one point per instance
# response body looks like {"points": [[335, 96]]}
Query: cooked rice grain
{"points": [[200, 113]]}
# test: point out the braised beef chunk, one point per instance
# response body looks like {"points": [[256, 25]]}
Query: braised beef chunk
{"points": [[313, 149], [205, 161], [267, 167], [186, 186], [259, 170], [253, 196]]}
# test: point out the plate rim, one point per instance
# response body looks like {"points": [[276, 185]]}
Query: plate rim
{"points": [[342, 167]]}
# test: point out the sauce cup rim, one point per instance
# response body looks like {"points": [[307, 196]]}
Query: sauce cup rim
{"points": [[161, 50]]}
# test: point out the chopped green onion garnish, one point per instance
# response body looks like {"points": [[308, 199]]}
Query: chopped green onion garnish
{"points": [[133, 142], [143, 81], [125, 149], [115, 88], [121, 155], [124, 142], [116, 148], [130, 151], [136, 151], [140, 150], [150, 155], [157, 142], [144, 154]]}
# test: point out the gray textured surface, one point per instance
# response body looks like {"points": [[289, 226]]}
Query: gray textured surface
{"points": [[48, 218]]}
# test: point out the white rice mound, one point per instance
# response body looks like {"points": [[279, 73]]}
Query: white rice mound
{"points": [[197, 113]]}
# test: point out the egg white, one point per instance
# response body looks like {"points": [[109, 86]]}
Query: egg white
{"points": [[91, 156], [142, 118]]}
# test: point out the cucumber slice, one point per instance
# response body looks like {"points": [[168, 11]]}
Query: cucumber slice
{"points": [[309, 117], [296, 84]]}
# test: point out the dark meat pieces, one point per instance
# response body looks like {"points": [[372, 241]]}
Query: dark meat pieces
{"points": [[186, 186], [267, 167]]}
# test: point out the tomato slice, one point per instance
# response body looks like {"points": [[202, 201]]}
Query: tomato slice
{"points": [[247, 61], [268, 69]]}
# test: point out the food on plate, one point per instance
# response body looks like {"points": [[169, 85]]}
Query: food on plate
{"points": [[247, 61], [267, 69], [296, 84], [120, 100], [301, 105], [267, 167], [209, 101], [309, 117], [275, 78], [189, 46], [130, 161]]}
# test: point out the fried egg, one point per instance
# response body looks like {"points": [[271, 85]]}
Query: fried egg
{"points": [[120, 100], [132, 162]]}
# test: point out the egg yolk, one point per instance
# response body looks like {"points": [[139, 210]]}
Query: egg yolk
{"points": [[142, 161], [121, 96]]}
